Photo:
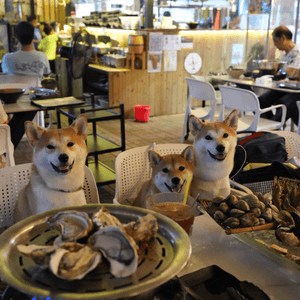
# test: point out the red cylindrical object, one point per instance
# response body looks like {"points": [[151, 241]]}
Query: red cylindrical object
{"points": [[142, 113]]}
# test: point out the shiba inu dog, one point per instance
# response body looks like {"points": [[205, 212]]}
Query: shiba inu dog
{"points": [[214, 147], [57, 177], [169, 174]]}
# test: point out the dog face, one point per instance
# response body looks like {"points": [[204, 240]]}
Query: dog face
{"points": [[58, 152], [170, 172], [213, 142]]}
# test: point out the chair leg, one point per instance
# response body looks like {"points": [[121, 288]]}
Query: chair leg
{"points": [[50, 119], [185, 129]]}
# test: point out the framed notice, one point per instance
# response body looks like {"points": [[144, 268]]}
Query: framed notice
{"points": [[186, 42], [156, 42], [154, 62], [172, 42], [170, 60]]}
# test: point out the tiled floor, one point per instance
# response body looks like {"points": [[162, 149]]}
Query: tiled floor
{"points": [[161, 130]]}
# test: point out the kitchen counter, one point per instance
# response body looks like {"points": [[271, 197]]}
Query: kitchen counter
{"points": [[278, 277], [107, 69]]}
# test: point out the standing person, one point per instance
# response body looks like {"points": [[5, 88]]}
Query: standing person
{"points": [[26, 61], [37, 33], [48, 45], [282, 38]]}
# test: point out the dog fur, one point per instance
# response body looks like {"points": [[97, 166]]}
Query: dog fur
{"points": [[169, 174], [214, 147], [57, 177]]}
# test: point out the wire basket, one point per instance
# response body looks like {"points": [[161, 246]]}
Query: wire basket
{"points": [[268, 226]]}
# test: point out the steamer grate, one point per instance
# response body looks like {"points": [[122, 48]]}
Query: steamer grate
{"points": [[164, 257]]}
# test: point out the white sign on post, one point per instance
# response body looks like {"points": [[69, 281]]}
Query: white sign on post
{"points": [[237, 54]]}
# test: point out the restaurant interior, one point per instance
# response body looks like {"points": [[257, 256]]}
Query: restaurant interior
{"points": [[138, 70]]}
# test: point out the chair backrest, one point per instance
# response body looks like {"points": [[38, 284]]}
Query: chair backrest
{"points": [[298, 104], [13, 179], [242, 100], [19, 81], [200, 90], [133, 169], [6, 145]]}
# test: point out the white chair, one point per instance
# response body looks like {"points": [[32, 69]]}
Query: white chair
{"points": [[6, 146], [199, 90], [13, 179], [298, 104], [133, 169], [247, 102], [24, 82]]}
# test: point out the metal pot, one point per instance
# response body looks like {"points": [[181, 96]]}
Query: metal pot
{"points": [[266, 64]]}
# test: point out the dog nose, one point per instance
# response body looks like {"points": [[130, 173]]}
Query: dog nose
{"points": [[220, 148], [63, 158], [175, 180]]}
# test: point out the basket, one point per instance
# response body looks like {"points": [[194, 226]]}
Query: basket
{"points": [[268, 226]]}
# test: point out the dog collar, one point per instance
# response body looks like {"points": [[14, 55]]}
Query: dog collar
{"points": [[63, 191]]}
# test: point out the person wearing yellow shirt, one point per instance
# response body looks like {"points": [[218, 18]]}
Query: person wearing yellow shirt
{"points": [[48, 45]]}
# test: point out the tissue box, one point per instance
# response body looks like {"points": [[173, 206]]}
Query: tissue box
{"points": [[264, 80]]}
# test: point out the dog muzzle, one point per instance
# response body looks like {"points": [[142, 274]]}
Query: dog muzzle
{"points": [[176, 189], [218, 157], [63, 169]]}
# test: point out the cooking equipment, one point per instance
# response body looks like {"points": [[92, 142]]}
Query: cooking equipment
{"points": [[171, 245], [11, 95]]}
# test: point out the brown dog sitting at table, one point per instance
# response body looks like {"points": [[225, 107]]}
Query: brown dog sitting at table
{"points": [[169, 174]]}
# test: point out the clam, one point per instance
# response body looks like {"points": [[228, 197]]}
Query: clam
{"points": [[103, 218], [266, 199], [284, 218], [252, 200], [274, 208], [267, 214], [143, 229], [212, 208], [256, 211], [261, 205], [72, 224], [118, 248], [220, 216], [262, 221], [248, 220], [218, 199], [224, 207], [39, 254], [243, 205], [231, 200], [73, 261], [232, 222], [236, 213], [286, 237]]}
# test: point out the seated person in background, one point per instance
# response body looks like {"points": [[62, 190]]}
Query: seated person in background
{"points": [[234, 22], [282, 38], [26, 61], [48, 45], [3, 120], [37, 33]]}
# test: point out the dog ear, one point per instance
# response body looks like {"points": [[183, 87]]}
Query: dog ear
{"points": [[80, 125], [188, 153], [154, 158], [232, 119], [195, 124], [33, 132]]}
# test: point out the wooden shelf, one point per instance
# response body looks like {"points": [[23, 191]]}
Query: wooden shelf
{"points": [[98, 144], [103, 174], [132, 56]]}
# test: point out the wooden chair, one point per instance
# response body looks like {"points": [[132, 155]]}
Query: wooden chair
{"points": [[6, 146], [247, 103], [199, 90], [13, 179]]}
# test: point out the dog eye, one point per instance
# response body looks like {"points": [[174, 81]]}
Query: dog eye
{"points": [[225, 135], [181, 168], [208, 137], [165, 170], [50, 147], [70, 144]]}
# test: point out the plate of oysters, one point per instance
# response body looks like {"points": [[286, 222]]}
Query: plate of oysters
{"points": [[93, 252]]}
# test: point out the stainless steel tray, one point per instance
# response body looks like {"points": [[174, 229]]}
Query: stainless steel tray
{"points": [[171, 247]]}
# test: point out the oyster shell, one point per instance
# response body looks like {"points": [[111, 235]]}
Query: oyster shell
{"points": [[103, 218], [39, 254], [118, 247], [284, 218], [72, 224], [73, 261], [143, 229], [286, 237]]}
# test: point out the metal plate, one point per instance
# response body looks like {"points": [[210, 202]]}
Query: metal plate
{"points": [[170, 250]]}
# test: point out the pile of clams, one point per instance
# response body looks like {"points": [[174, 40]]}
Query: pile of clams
{"points": [[247, 211], [84, 241]]}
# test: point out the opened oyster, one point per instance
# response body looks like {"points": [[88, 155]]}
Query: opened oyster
{"points": [[73, 261], [39, 254], [72, 224], [118, 248], [103, 218]]}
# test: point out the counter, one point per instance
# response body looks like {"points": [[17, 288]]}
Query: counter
{"points": [[276, 276]]}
